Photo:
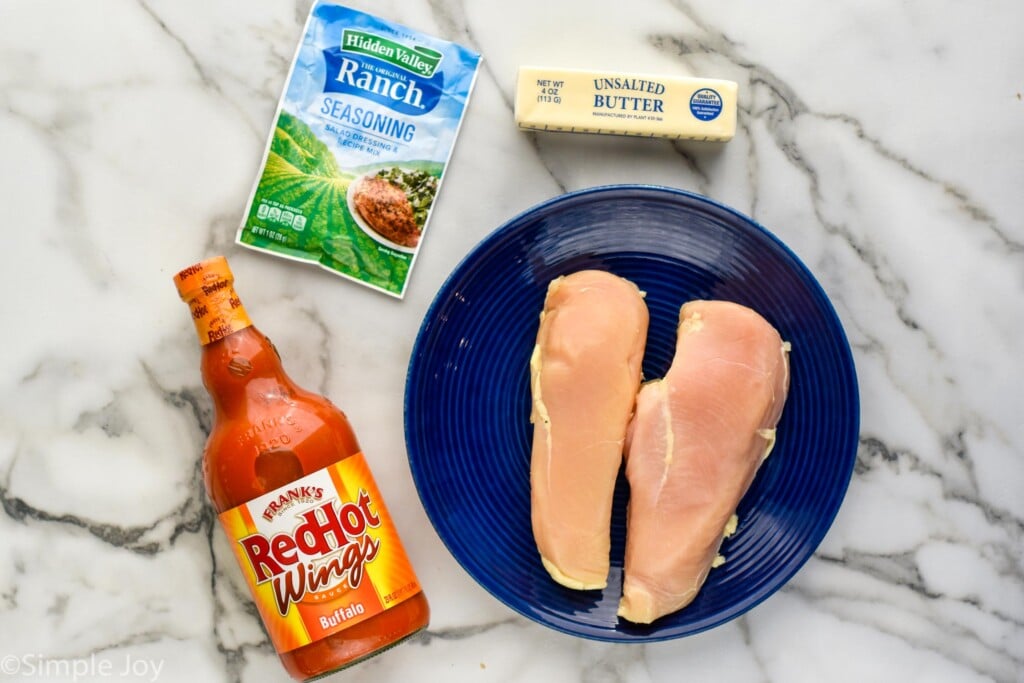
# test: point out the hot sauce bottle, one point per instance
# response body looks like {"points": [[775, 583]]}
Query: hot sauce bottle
{"points": [[295, 496]]}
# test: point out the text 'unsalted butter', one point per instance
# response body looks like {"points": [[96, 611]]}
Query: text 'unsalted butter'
{"points": [[582, 101]]}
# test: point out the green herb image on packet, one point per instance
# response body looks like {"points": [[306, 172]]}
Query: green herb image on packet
{"points": [[364, 131]]}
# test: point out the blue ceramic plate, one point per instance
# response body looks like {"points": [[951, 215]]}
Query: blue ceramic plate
{"points": [[467, 401]]}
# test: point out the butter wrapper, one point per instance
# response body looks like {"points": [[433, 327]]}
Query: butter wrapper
{"points": [[615, 103]]}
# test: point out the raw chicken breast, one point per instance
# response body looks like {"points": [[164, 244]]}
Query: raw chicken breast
{"points": [[585, 373], [696, 442]]}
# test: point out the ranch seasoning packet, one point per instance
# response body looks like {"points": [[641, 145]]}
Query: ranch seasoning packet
{"points": [[364, 130]]}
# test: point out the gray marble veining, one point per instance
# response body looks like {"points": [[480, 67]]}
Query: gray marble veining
{"points": [[882, 142]]}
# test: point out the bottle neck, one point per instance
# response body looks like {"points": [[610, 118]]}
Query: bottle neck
{"points": [[238, 360], [217, 312], [241, 367]]}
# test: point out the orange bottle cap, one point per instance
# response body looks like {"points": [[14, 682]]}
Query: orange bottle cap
{"points": [[202, 276], [207, 289]]}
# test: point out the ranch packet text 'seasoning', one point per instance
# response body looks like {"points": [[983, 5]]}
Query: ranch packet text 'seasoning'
{"points": [[363, 133]]}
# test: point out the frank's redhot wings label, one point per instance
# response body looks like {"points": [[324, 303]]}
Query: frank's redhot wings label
{"points": [[320, 554]]}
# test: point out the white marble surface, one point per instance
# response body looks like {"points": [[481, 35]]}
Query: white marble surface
{"points": [[884, 142]]}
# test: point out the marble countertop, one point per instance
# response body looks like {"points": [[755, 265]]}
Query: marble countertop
{"points": [[883, 142]]}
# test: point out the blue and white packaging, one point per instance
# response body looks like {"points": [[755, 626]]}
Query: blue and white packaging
{"points": [[363, 134]]}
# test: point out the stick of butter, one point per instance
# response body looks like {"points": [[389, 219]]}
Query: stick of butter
{"points": [[581, 101]]}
